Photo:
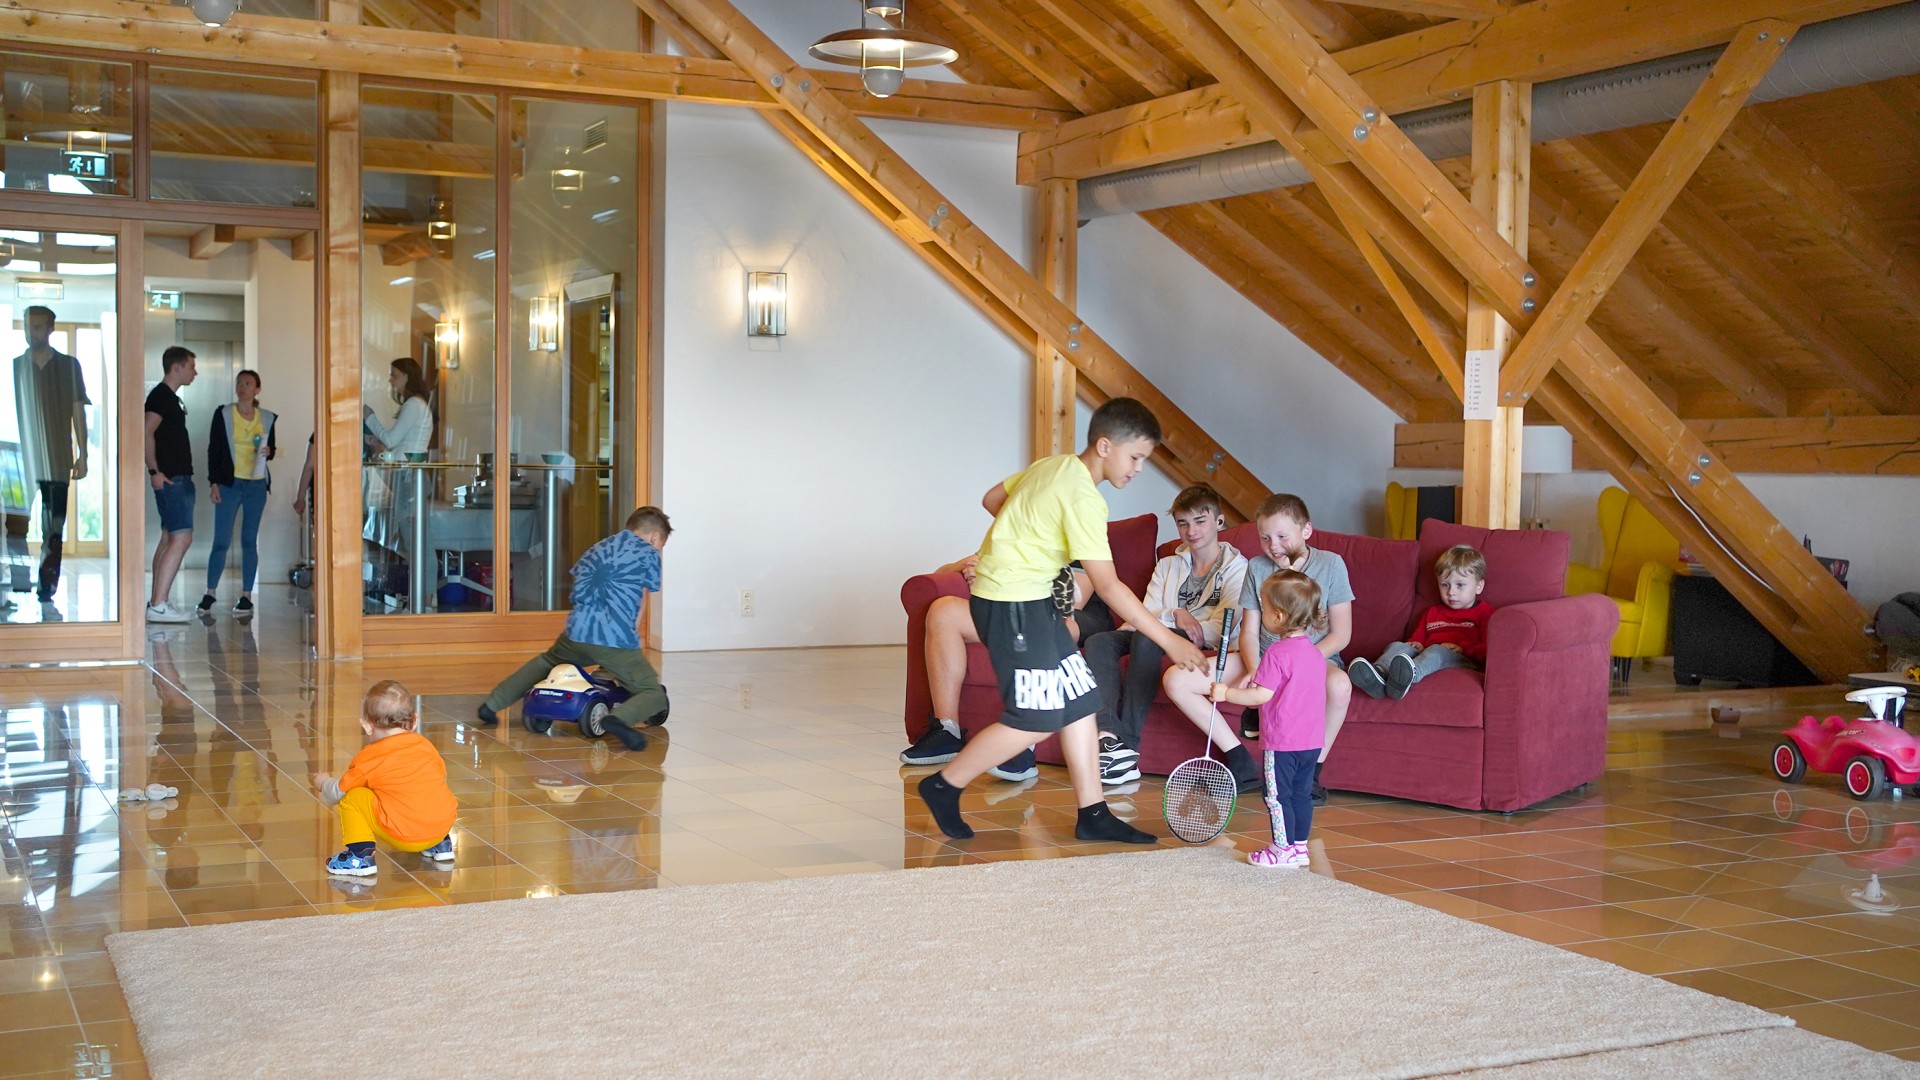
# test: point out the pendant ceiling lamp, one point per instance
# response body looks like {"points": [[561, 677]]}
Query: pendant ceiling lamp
{"points": [[883, 48], [214, 12]]}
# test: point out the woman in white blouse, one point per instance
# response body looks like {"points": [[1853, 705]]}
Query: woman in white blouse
{"points": [[412, 429]]}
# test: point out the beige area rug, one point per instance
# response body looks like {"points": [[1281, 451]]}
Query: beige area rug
{"points": [[1122, 964], [1767, 1052]]}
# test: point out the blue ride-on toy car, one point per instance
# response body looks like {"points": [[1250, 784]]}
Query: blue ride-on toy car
{"points": [[572, 695]]}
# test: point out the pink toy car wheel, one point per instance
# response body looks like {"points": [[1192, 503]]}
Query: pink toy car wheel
{"points": [[1866, 777], [1788, 763]]}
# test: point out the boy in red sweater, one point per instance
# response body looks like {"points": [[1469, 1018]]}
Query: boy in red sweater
{"points": [[1452, 633], [394, 791]]}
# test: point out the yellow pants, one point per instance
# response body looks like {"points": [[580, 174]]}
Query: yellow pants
{"points": [[357, 824]]}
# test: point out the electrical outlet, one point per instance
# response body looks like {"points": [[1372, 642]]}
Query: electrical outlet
{"points": [[746, 603]]}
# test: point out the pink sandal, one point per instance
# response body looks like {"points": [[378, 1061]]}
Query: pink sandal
{"points": [[1274, 856]]}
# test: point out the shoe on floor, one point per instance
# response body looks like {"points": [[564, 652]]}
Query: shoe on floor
{"points": [[164, 612], [486, 717], [1399, 675], [442, 851], [939, 745], [243, 606], [1021, 766], [205, 605], [1297, 854], [1274, 857], [1119, 763], [347, 864], [1366, 678], [629, 738]]}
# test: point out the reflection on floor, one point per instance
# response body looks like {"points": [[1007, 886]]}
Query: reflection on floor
{"points": [[85, 594], [1687, 861]]}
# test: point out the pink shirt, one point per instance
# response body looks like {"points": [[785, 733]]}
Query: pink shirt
{"points": [[1295, 717]]}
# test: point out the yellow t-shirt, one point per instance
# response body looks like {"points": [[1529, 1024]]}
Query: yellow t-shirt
{"points": [[1053, 515], [244, 432]]}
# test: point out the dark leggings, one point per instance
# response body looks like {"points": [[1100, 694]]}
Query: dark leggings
{"points": [[1289, 775]]}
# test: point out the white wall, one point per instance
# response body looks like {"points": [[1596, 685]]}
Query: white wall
{"points": [[1871, 520]]}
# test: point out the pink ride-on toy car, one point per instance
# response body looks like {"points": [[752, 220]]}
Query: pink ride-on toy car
{"points": [[1869, 753]]}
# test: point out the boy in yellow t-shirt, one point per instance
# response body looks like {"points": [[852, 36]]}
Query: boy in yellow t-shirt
{"points": [[1044, 517]]}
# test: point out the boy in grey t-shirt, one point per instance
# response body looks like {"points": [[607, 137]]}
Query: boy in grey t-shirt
{"points": [[1285, 529]]}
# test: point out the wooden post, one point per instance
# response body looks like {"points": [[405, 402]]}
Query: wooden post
{"points": [[1502, 150], [1053, 374], [337, 444]]}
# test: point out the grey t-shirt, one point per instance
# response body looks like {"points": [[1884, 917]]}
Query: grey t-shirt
{"points": [[1329, 571]]}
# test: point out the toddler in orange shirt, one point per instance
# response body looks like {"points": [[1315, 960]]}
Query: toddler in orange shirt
{"points": [[395, 789]]}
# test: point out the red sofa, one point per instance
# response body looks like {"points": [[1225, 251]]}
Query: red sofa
{"points": [[1532, 726]]}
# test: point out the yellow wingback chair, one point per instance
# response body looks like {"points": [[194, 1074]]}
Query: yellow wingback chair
{"points": [[1637, 563], [1403, 512]]}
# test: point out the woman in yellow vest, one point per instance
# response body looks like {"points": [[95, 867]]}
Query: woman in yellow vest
{"points": [[238, 449]]}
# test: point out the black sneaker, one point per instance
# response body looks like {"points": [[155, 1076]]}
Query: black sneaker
{"points": [[1400, 675], [1021, 766], [660, 717], [243, 606], [1366, 678], [628, 737], [486, 717], [1119, 763], [205, 605], [938, 746], [1250, 724]]}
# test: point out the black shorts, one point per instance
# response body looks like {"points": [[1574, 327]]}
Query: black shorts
{"points": [[1045, 683]]}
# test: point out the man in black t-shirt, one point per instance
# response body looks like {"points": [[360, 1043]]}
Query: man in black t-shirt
{"points": [[50, 406], [170, 471]]}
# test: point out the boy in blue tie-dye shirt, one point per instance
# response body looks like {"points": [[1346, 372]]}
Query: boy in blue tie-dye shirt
{"points": [[610, 586]]}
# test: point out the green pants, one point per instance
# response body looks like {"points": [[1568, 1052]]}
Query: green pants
{"points": [[629, 666]]}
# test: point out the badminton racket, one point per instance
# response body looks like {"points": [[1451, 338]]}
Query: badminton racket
{"points": [[1201, 790]]}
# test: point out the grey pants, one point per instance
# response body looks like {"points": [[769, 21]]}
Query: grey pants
{"points": [[1428, 660]]}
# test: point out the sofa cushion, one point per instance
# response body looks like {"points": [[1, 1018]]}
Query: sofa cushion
{"points": [[1523, 565], [1455, 697], [1382, 573], [1133, 557]]}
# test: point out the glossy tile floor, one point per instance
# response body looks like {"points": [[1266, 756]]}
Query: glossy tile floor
{"points": [[1687, 861]]}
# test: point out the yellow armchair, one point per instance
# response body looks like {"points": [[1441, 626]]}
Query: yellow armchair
{"points": [[1403, 512], [1637, 564]]}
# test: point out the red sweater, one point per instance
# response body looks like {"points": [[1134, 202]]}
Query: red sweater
{"points": [[1463, 627]]}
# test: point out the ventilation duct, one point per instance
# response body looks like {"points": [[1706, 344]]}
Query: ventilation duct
{"points": [[1851, 51]]}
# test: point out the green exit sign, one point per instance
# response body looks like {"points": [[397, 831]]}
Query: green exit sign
{"points": [[88, 164], [163, 300]]}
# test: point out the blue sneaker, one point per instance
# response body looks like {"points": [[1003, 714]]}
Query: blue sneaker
{"points": [[442, 851], [938, 746], [1020, 766], [347, 864]]}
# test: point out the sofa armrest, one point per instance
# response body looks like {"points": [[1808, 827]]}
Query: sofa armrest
{"points": [[916, 596], [1547, 681]]}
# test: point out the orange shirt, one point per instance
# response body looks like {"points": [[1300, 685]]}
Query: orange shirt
{"points": [[411, 800]]}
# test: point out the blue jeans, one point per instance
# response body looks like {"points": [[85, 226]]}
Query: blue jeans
{"points": [[250, 496], [1425, 662], [175, 502]]}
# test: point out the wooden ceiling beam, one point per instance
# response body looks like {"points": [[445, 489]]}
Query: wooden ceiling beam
{"points": [[1698, 226], [1804, 445], [210, 241], [1653, 189], [1121, 45], [987, 275], [1531, 42], [1440, 9], [1778, 160], [164, 30], [1042, 59]]}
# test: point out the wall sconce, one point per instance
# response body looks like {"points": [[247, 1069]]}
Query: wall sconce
{"points": [[567, 181], [439, 220], [446, 339], [543, 324], [766, 303]]}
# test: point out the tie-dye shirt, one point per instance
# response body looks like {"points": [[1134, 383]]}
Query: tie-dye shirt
{"points": [[609, 582]]}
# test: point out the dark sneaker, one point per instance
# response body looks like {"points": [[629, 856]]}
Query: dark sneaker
{"points": [[1250, 724], [1399, 675], [442, 851], [660, 717], [1366, 678], [205, 605], [1021, 766], [939, 745], [347, 864], [628, 737], [487, 717], [1119, 763], [243, 606]]}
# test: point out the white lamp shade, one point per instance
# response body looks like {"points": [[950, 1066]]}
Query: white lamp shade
{"points": [[1546, 449]]}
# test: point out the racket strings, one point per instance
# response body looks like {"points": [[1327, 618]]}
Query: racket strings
{"points": [[1199, 800]]}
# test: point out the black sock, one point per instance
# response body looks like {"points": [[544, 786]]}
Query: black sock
{"points": [[1241, 763], [1098, 823], [943, 800], [619, 730], [364, 849]]}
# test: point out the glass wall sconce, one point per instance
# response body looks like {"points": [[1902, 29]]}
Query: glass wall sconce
{"points": [[446, 339], [766, 303], [543, 324], [439, 220]]}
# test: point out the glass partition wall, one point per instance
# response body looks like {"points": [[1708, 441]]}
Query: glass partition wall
{"points": [[497, 257]]}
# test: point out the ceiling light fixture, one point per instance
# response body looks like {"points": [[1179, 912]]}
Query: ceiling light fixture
{"points": [[883, 50], [214, 12], [439, 219], [568, 181]]}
